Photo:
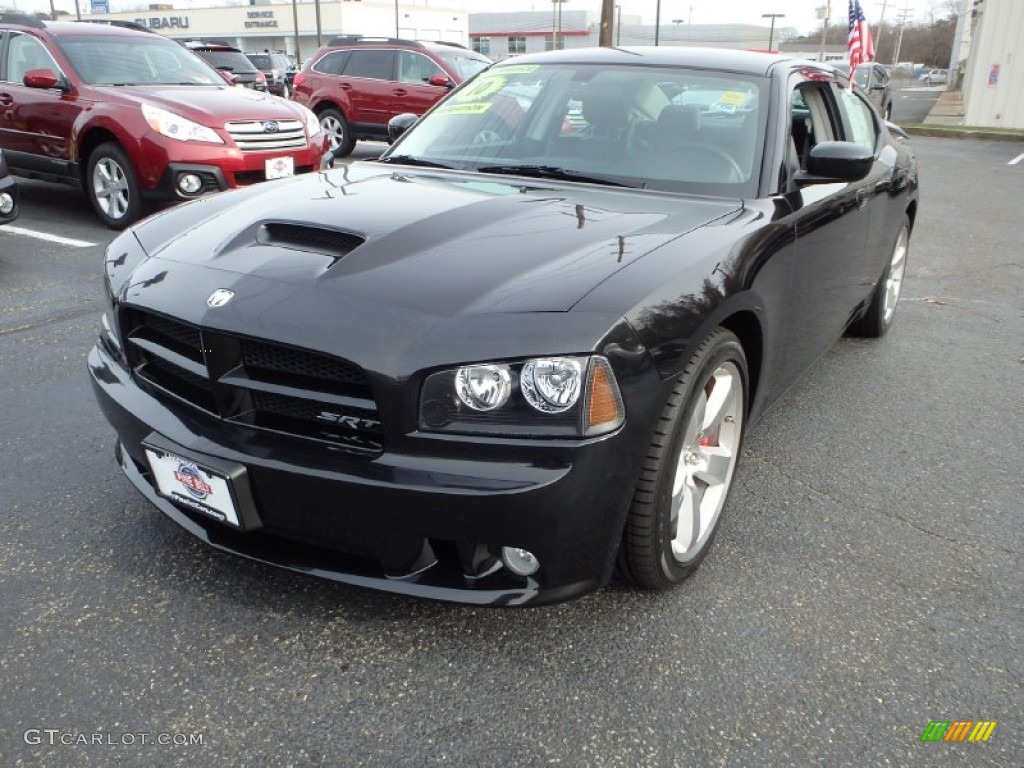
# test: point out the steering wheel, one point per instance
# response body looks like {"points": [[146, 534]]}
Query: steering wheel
{"points": [[488, 136], [726, 161]]}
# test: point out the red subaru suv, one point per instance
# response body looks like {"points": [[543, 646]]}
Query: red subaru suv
{"points": [[136, 118], [356, 84]]}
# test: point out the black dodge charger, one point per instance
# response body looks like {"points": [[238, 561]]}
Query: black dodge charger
{"points": [[518, 353]]}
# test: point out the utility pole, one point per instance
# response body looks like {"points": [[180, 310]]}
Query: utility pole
{"points": [[881, 20], [657, 21], [826, 13], [608, 11], [771, 32], [901, 20]]}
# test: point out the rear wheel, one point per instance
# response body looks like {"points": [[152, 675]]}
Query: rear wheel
{"points": [[336, 127], [112, 187], [880, 312], [678, 500]]}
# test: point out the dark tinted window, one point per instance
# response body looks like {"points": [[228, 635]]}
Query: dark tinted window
{"points": [[332, 63], [230, 61], [260, 60], [377, 65]]}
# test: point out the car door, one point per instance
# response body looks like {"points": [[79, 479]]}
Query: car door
{"points": [[368, 81], [35, 123], [830, 227], [860, 126], [413, 92]]}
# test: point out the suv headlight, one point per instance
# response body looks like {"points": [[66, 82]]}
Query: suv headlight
{"points": [[560, 396], [312, 121], [177, 127]]}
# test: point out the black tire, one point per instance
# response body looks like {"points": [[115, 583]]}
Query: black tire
{"points": [[111, 186], [878, 317], [651, 554], [340, 135]]}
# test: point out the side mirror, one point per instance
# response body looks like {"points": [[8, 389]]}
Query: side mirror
{"points": [[41, 78], [442, 81], [229, 77], [399, 124], [831, 161]]}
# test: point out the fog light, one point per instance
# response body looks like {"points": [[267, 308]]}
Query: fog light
{"points": [[189, 183], [6, 204], [520, 561]]}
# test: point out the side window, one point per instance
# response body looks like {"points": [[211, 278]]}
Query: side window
{"points": [[372, 64], [332, 63], [859, 119], [416, 68], [812, 119], [25, 53]]}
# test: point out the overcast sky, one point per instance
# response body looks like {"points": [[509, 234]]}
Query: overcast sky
{"points": [[799, 14]]}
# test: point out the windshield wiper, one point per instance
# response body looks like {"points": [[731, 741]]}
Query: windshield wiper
{"points": [[550, 172], [413, 160]]}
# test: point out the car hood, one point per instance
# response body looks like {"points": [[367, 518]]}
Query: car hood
{"points": [[401, 270], [212, 105], [438, 244]]}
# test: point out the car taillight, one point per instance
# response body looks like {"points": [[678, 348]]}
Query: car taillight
{"points": [[260, 77], [299, 79]]}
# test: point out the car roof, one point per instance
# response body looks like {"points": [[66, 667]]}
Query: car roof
{"points": [[83, 28], [745, 62]]}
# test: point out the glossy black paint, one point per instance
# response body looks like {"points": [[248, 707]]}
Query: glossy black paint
{"points": [[443, 268]]}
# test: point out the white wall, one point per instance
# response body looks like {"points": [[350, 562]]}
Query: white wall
{"points": [[998, 41]]}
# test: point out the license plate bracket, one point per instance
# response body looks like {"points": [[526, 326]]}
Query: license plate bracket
{"points": [[280, 167], [213, 487]]}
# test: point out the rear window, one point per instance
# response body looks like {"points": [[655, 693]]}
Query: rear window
{"points": [[260, 60], [465, 64], [229, 61]]}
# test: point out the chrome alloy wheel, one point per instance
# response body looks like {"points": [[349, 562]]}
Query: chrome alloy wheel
{"points": [[334, 129], [110, 186], [707, 459], [894, 279]]}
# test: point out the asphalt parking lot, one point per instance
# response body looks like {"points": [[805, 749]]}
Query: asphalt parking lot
{"points": [[867, 578]]}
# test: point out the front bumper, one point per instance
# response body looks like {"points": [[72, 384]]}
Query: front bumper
{"points": [[221, 167], [418, 524]]}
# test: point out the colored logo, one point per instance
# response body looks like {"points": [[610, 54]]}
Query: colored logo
{"points": [[220, 297], [958, 730], [189, 477]]}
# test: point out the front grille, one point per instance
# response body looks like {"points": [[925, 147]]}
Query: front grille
{"points": [[267, 135], [255, 383]]}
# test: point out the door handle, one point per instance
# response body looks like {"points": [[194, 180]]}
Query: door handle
{"points": [[345, 86], [6, 99], [400, 92]]}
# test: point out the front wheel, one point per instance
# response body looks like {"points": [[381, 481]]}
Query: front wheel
{"points": [[112, 187], [880, 312], [685, 481], [336, 127]]}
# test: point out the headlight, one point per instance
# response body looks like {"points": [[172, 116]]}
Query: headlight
{"points": [[312, 121], [568, 396], [177, 127]]}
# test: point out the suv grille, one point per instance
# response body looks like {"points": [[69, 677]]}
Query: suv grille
{"points": [[258, 384], [266, 135]]}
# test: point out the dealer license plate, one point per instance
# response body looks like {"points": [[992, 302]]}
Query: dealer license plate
{"points": [[194, 486], [280, 167]]}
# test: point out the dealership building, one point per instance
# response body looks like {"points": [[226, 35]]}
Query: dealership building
{"points": [[293, 28]]}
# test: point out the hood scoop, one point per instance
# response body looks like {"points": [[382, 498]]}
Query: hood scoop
{"points": [[333, 243]]}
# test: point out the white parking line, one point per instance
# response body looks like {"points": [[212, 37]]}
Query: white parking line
{"points": [[1016, 160], [48, 238]]}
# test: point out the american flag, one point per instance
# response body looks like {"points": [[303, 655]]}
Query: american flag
{"points": [[861, 46]]}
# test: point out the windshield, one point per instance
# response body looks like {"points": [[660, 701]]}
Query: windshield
{"points": [[135, 60], [663, 128], [464, 63]]}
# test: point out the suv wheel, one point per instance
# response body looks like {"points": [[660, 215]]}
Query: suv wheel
{"points": [[336, 128], [111, 186]]}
